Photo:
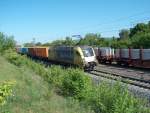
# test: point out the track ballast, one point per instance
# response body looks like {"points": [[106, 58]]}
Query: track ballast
{"points": [[142, 83]]}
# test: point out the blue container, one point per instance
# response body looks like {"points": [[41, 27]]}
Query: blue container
{"points": [[24, 50]]}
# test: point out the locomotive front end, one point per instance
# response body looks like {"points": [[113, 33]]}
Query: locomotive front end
{"points": [[89, 58]]}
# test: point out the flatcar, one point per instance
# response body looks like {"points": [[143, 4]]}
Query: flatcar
{"points": [[126, 57], [80, 56], [104, 54], [133, 57]]}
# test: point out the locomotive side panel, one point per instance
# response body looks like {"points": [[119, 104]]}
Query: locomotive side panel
{"points": [[64, 54], [78, 57], [61, 54]]}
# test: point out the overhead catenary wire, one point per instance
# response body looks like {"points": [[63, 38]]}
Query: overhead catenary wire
{"points": [[131, 24], [118, 29], [115, 20]]}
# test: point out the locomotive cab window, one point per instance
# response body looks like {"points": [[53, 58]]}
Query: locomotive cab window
{"points": [[88, 52]]}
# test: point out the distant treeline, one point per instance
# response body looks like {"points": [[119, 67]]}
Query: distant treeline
{"points": [[136, 37]]}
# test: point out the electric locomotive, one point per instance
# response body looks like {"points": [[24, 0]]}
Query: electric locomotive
{"points": [[81, 56]]}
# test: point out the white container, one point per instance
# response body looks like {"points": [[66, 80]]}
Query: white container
{"points": [[117, 53], [105, 51], [112, 52], [124, 53], [135, 53], [146, 54]]}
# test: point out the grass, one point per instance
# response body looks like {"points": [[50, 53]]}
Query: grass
{"points": [[79, 94], [32, 94]]}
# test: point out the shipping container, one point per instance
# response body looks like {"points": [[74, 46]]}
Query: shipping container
{"points": [[135, 53], [124, 53], [31, 52], [146, 54], [117, 53], [41, 52], [24, 50]]}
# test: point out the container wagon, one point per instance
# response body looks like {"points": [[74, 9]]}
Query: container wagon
{"points": [[133, 57], [104, 54]]}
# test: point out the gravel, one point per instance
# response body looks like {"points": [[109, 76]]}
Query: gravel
{"points": [[137, 91]]}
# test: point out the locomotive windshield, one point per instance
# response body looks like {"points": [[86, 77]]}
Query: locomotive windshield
{"points": [[87, 52]]}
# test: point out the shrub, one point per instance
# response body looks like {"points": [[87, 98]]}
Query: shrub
{"points": [[13, 57], [6, 42], [55, 75], [5, 91], [76, 84], [107, 98]]}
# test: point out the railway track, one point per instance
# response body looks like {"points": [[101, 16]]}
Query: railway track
{"points": [[115, 76], [125, 79]]}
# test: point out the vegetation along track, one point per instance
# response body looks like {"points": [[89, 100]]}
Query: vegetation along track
{"points": [[123, 78]]}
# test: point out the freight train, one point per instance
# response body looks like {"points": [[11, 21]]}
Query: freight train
{"points": [[80, 56], [127, 57]]}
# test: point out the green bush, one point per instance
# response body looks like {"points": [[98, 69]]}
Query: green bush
{"points": [[141, 40], [13, 57], [107, 98], [5, 91], [6, 42], [76, 84], [55, 75]]}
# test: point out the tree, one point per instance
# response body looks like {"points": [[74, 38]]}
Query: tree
{"points": [[139, 28], [149, 24], [142, 40], [46, 44], [38, 44], [124, 34], [6, 42], [68, 41], [57, 42], [28, 44], [91, 39]]}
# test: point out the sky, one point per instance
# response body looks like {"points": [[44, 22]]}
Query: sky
{"points": [[48, 20]]}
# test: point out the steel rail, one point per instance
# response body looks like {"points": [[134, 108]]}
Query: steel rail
{"points": [[124, 79], [123, 76]]}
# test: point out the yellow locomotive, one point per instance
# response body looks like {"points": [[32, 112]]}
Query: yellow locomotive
{"points": [[81, 56]]}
